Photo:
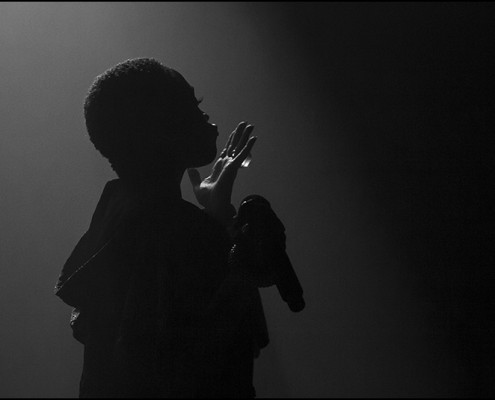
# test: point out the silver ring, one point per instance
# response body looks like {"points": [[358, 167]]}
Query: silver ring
{"points": [[247, 161]]}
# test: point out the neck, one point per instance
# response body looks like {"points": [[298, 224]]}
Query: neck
{"points": [[163, 186]]}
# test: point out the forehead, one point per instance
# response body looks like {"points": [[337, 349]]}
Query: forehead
{"points": [[191, 90], [182, 97], [186, 94], [180, 82], [189, 96]]}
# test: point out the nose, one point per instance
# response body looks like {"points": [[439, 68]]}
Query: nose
{"points": [[207, 117]]}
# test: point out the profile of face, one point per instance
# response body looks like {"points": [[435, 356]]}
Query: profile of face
{"points": [[195, 139]]}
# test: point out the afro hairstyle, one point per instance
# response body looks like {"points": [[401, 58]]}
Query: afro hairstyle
{"points": [[130, 104]]}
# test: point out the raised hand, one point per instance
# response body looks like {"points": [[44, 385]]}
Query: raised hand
{"points": [[215, 191]]}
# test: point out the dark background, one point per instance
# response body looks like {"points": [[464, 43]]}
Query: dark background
{"points": [[374, 122]]}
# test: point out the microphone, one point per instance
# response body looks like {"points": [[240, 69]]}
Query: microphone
{"points": [[260, 242]]}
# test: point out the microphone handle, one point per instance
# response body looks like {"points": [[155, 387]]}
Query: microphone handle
{"points": [[264, 235], [287, 283]]}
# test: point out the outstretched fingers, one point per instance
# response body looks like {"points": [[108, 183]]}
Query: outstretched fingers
{"points": [[243, 139], [244, 152], [236, 136], [226, 148]]}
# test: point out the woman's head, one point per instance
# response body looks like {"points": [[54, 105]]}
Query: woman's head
{"points": [[144, 116]]}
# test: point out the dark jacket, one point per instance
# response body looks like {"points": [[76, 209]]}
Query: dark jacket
{"points": [[158, 307]]}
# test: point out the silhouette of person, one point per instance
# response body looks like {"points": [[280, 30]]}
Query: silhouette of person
{"points": [[160, 310]]}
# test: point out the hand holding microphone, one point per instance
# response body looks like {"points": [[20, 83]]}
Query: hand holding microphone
{"points": [[259, 245]]}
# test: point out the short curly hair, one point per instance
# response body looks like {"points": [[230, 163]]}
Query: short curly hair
{"points": [[131, 103]]}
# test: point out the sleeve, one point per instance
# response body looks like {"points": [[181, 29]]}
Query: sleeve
{"points": [[88, 250], [235, 306], [87, 272]]}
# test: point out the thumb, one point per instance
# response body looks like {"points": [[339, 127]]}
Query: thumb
{"points": [[194, 177]]}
